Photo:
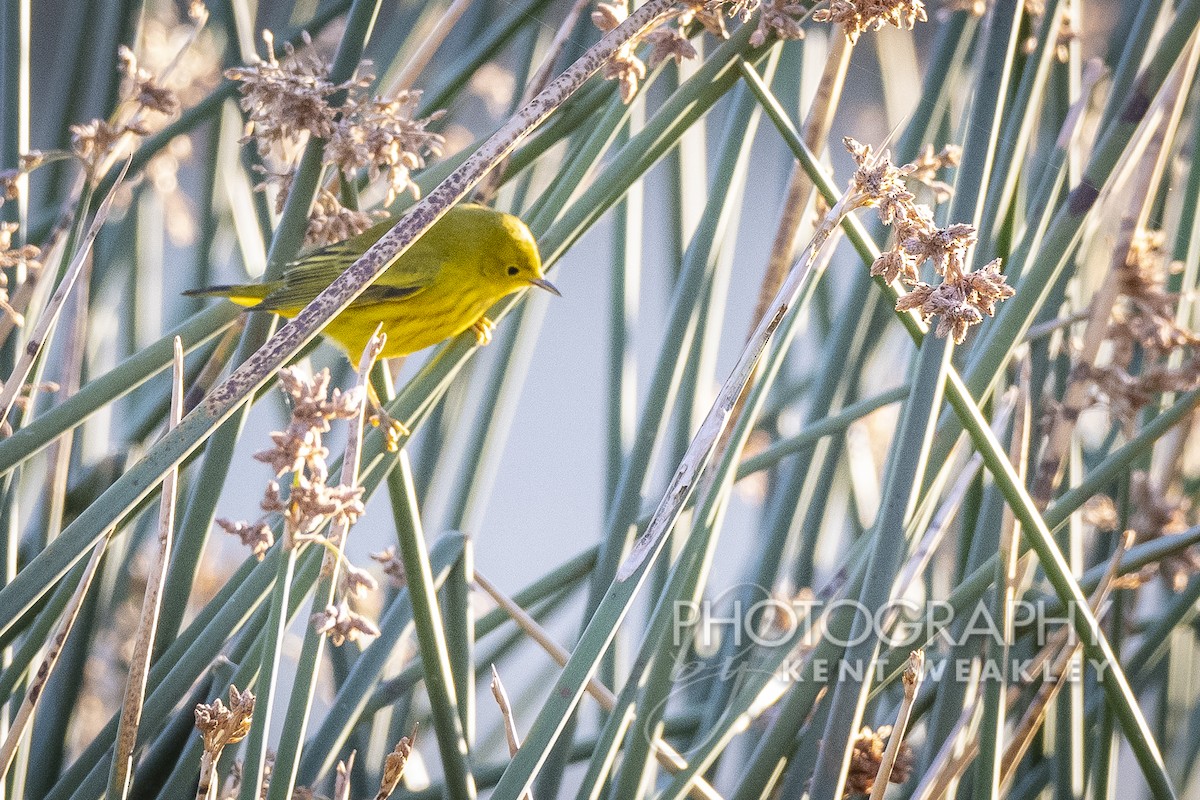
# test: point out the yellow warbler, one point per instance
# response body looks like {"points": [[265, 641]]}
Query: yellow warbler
{"points": [[442, 285]]}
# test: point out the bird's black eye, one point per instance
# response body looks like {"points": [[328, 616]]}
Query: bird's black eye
{"points": [[513, 270]]}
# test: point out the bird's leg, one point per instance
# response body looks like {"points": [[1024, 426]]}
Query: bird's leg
{"points": [[483, 330], [393, 428]]}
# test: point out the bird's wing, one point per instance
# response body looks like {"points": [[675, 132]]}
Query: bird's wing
{"points": [[310, 275]]}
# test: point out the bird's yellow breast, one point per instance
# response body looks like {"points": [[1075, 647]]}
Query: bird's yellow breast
{"points": [[446, 308]]}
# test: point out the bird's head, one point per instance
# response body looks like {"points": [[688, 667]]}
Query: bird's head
{"points": [[514, 261]]}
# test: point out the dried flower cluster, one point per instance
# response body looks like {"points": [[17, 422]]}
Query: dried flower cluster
{"points": [[22, 260], [859, 16], [1145, 331], [141, 87], [287, 101], [1153, 515], [393, 567], [394, 765], [12, 180], [928, 164], [866, 757], [255, 535], [311, 502], [780, 19], [624, 67], [1067, 33], [963, 297], [93, 141], [146, 98], [1101, 513], [342, 624], [220, 726], [383, 137], [290, 99]]}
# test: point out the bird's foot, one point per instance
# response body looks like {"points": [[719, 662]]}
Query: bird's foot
{"points": [[483, 330], [392, 428]]}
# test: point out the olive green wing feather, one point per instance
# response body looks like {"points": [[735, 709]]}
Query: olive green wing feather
{"points": [[315, 270]]}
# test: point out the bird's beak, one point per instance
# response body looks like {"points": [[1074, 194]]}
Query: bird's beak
{"points": [[542, 283]]}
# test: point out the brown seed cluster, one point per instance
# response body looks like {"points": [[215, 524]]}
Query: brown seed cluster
{"points": [[963, 298], [287, 101], [141, 87], [311, 503], [1101, 513], [220, 726], [393, 567], [291, 99], [624, 67], [779, 19], [1151, 351], [859, 16], [23, 260], [255, 535], [11, 180], [928, 164], [384, 137], [342, 624], [1154, 514], [146, 101], [867, 756], [93, 141], [394, 765], [1035, 11]]}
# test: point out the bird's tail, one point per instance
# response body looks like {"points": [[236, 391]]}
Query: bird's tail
{"points": [[244, 294]]}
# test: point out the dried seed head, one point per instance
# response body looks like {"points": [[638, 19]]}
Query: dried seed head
{"points": [[220, 726], [866, 757], [1101, 513], [394, 765], [609, 15], [668, 42], [343, 625], [330, 221], [257, 536], [945, 247], [393, 567], [141, 87], [707, 14], [92, 141], [985, 287], [627, 69], [877, 181], [288, 100], [780, 19], [963, 298], [927, 165], [1154, 515], [741, 9], [357, 582], [383, 137], [857, 16]]}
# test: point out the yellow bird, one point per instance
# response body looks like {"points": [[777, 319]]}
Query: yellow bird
{"points": [[442, 285]]}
